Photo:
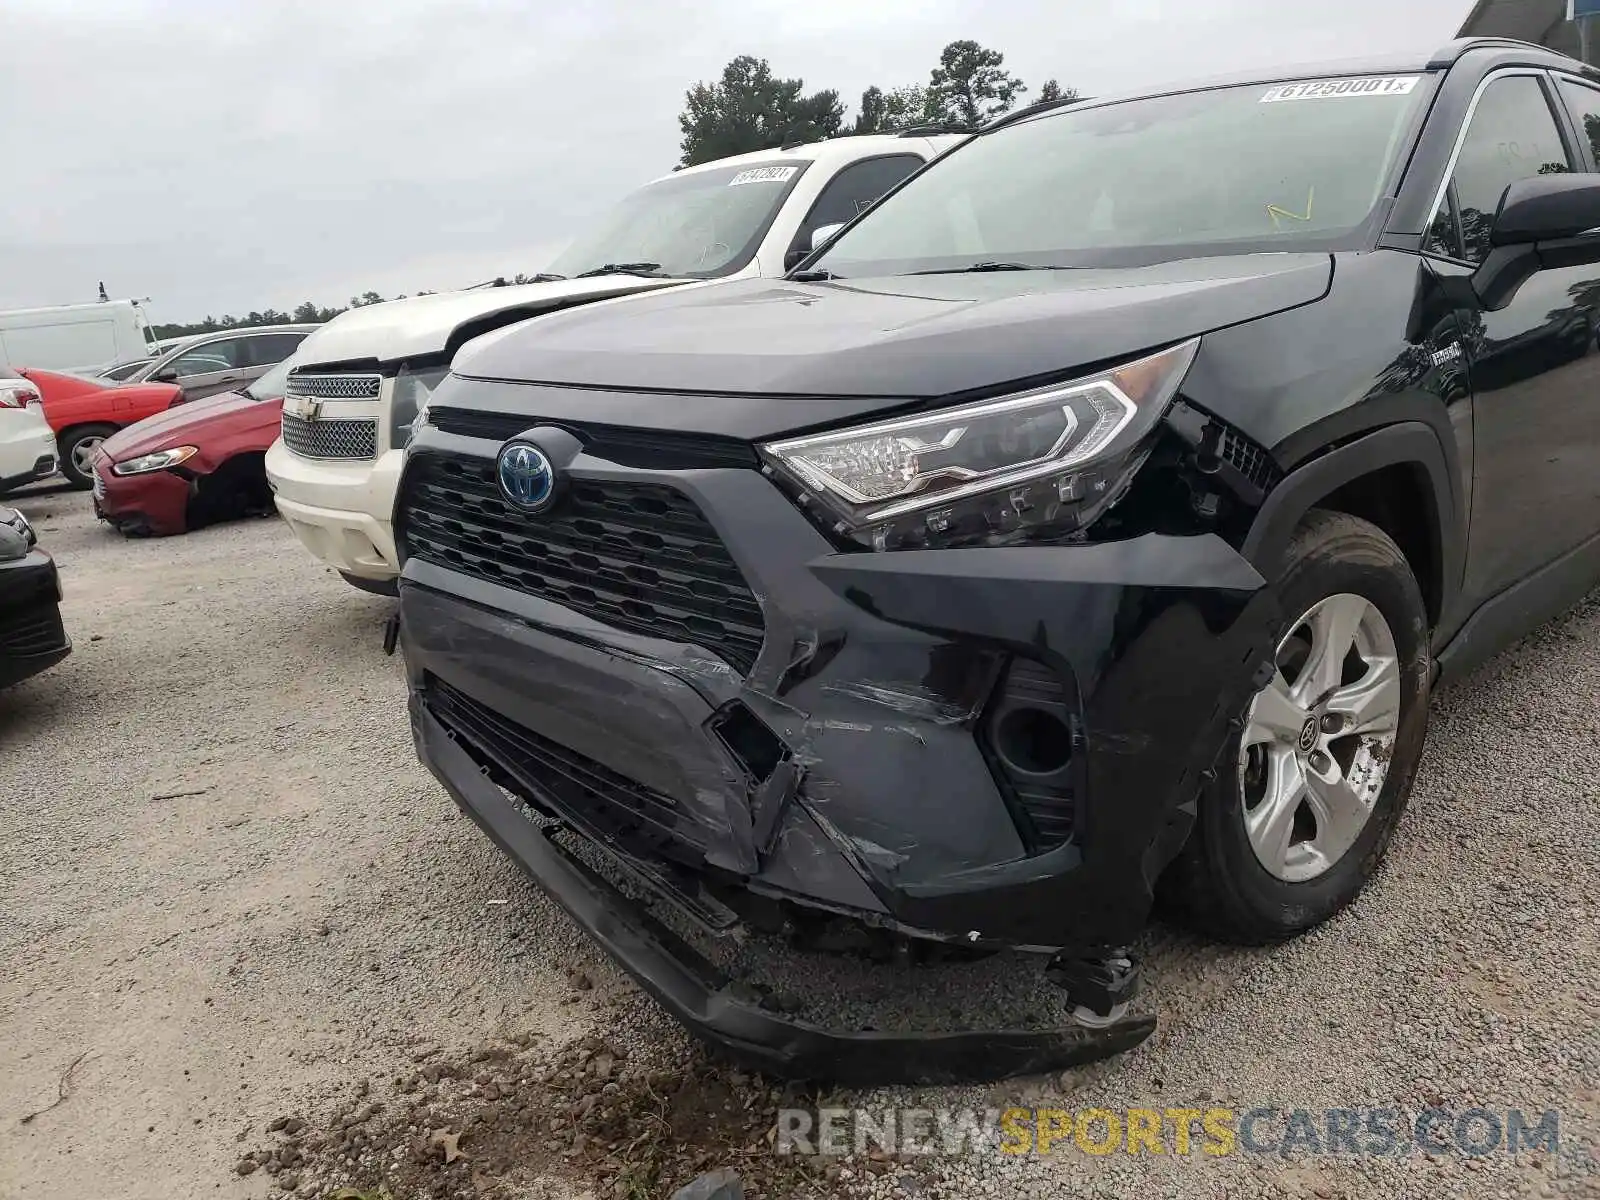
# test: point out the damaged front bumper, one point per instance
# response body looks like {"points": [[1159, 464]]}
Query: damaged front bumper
{"points": [[700, 996], [984, 747]]}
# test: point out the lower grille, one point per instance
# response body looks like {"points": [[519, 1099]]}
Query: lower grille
{"points": [[39, 631], [350, 439], [638, 557], [574, 787]]}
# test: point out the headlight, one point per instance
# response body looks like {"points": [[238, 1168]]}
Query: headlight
{"points": [[159, 461], [18, 520], [410, 404], [1043, 461]]}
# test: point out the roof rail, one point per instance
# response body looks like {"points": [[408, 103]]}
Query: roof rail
{"points": [[1034, 109], [933, 129], [1448, 53]]}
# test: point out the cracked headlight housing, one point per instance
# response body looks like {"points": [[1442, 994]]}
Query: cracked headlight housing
{"points": [[412, 390], [159, 461], [1038, 464]]}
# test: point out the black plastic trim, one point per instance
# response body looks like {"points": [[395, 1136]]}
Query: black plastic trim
{"points": [[1302, 489], [695, 993], [1521, 608]]}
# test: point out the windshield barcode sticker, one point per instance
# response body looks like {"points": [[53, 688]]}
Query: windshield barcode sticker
{"points": [[1331, 89], [764, 175]]}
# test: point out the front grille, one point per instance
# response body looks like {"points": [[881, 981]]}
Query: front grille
{"points": [[38, 631], [648, 449], [334, 387], [575, 787], [352, 439], [636, 556]]}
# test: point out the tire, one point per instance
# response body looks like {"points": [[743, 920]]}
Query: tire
{"points": [[78, 441], [1220, 883]]}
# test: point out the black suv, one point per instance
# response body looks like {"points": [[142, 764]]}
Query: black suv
{"points": [[1089, 519]]}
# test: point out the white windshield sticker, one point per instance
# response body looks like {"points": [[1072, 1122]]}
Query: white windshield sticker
{"points": [[1330, 89], [764, 175]]}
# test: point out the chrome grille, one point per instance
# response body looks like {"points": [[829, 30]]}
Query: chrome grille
{"points": [[334, 387], [351, 439], [636, 556]]}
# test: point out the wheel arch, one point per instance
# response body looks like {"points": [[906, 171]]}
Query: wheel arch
{"points": [[1399, 478], [68, 430]]}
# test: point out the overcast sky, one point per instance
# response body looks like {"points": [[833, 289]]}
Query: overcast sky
{"points": [[223, 155]]}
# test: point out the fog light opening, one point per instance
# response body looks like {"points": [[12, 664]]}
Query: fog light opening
{"points": [[1032, 741]]}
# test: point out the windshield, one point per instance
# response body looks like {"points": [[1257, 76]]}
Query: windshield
{"points": [[1229, 170], [704, 224], [272, 385]]}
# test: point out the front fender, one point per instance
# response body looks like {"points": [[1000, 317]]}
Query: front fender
{"points": [[1406, 443]]}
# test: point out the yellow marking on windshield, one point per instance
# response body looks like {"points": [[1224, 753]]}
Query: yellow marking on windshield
{"points": [[1275, 212]]}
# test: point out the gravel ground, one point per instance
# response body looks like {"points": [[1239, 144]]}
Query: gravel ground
{"points": [[317, 915]]}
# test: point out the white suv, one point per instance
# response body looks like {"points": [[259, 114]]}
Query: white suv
{"points": [[361, 378], [27, 443]]}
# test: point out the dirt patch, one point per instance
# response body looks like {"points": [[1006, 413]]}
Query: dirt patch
{"points": [[516, 1118]]}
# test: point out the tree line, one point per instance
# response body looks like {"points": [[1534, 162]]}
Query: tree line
{"points": [[749, 108], [309, 313]]}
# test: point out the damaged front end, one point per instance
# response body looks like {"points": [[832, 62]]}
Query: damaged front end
{"points": [[702, 725]]}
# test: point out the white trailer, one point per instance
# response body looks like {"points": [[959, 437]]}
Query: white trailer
{"points": [[81, 337]]}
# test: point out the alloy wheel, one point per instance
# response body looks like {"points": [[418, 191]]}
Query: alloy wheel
{"points": [[1318, 738], [83, 455]]}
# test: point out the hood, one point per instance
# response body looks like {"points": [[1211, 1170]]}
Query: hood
{"points": [[919, 336], [400, 329], [192, 424]]}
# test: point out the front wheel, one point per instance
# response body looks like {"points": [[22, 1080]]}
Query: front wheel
{"points": [[78, 448], [1317, 772]]}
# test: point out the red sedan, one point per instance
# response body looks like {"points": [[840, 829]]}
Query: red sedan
{"points": [[84, 411], [200, 463]]}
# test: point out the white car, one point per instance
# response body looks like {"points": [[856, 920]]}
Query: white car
{"points": [[27, 443], [360, 378]]}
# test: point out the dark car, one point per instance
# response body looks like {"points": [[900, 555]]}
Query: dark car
{"points": [[32, 638], [192, 465], [1088, 519]]}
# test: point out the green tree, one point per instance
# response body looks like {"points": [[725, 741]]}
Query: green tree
{"points": [[1052, 91], [887, 112], [365, 299], [971, 86], [749, 109]]}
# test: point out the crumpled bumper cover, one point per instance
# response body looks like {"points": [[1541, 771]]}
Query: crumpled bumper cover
{"points": [[893, 810], [154, 502], [700, 997], [877, 693]]}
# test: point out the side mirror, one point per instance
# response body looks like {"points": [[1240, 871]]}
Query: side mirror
{"points": [[1548, 208], [1543, 221], [823, 232], [166, 375]]}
